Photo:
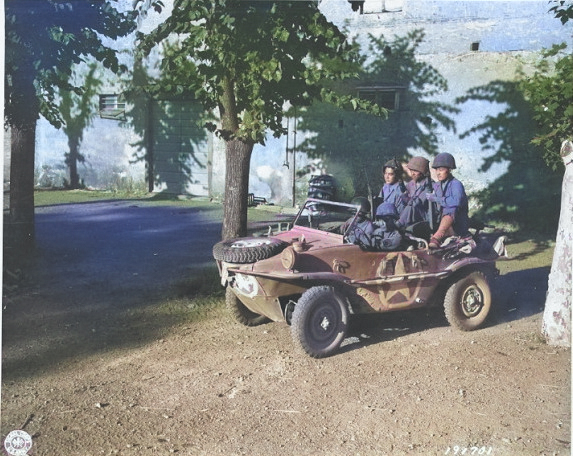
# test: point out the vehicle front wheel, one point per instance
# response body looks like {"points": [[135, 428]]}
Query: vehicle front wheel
{"points": [[468, 302], [240, 312], [320, 321]]}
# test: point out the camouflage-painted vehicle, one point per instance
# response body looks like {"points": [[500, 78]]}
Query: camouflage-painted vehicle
{"points": [[311, 277]]}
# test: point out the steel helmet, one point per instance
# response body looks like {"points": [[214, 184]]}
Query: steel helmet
{"points": [[392, 164], [387, 209], [363, 203], [419, 164], [444, 160]]}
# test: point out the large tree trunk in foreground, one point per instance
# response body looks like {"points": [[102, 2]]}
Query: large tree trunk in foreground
{"points": [[237, 167], [21, 222], [556, 326]]}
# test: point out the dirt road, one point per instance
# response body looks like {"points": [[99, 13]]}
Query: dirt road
{"points": [[92, 366]]}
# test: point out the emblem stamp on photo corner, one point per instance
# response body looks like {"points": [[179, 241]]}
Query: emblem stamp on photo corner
{"points": [[18, 443]]}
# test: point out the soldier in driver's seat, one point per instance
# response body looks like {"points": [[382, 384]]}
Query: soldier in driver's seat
{"points": [[386, 234], [361, 231]]}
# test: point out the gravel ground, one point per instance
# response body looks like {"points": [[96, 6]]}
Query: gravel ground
{"points": [[93, 364]]}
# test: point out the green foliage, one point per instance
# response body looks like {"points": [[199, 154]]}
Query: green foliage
{"points": [[43, 42], [247, 59], [49, 177], [550, 91], [562, 9], [120, 184]]}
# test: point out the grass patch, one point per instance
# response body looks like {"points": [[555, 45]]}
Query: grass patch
{"points": [[158, 320], [529, 254], [185, 310], [260, 215], [205, 282], [53, 197], [199, 297]]}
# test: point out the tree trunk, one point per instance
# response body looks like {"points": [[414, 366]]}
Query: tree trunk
{"points": [[237, 167], [556, 326], [21, 221]]}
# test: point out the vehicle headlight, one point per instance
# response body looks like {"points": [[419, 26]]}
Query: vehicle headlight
{"points": [[288, 258]]}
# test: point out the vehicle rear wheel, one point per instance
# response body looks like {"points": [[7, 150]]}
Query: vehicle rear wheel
{"points": [[248, 250], [320, 321], [240, 312], [468, 302]]}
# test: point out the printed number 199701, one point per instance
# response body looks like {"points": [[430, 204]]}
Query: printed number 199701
{"points": [[470, 451]]}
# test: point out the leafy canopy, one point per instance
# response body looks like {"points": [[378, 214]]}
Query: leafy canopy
{"points": [[550, 91], [562, 9], [44, 39], [247, 59]]}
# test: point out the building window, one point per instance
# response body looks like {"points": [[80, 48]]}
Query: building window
{"points": [[112, 106], [383, 6], [385, 97]]}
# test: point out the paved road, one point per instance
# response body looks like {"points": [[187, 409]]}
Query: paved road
{"points": [[122, 244]]}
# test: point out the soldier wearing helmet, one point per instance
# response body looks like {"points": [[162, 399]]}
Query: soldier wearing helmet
{"points": [[394, 187], [386, 235], [387, 211], [358, 229], [364, 206], [383, 234], [414, 200], [451, 199]]}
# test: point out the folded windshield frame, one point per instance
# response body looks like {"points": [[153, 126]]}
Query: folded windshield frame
{"points": [[323, 215]]}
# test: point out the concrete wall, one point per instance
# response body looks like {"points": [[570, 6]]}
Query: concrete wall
{"points": [[108, 148], [451, 26], [507, 32], [509, 35], [182, 150]]}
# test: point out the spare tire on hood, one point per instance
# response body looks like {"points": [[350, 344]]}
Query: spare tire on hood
{"points": [[248, 250]]}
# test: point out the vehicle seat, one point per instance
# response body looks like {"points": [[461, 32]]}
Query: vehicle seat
{"points": [[420, 230]]}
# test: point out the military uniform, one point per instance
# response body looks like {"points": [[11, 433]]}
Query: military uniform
{"points": [[415, 202], [392, 193], [452, 200]]}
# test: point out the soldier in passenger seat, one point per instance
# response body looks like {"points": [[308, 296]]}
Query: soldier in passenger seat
{"points": [[450, 196]]}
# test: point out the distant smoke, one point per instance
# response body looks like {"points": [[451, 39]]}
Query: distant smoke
{"points": [[273, 184]]}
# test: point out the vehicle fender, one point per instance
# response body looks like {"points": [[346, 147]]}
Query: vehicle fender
{"points": [[472, 264]]}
